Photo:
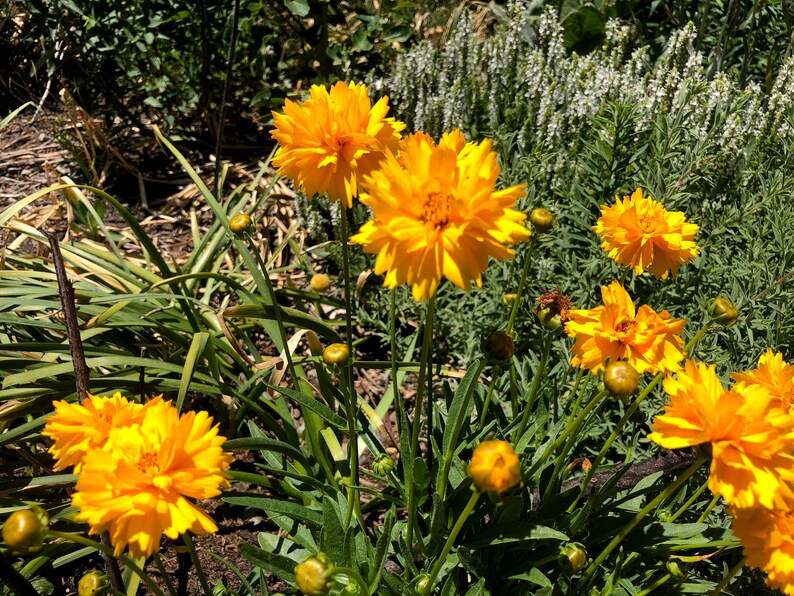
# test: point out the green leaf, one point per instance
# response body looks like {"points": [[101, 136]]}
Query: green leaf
{"points": [[278, 565], [311, 402], [294, 510], [300, 8]]}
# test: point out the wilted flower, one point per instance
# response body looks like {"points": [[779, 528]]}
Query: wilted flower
{"points": [[494, 466], [648, 341], [553, 309], [640, 233], [751, 435], [139, 489], [436, 214], [329, 141]]}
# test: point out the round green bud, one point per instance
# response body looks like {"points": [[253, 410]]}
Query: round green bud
{"points": [[336, 355], [542, 219], [572, 557], [313, 576], [621, 379], [676, 569], [383, 464], [498, 346], [722, 311], [241, 224], [24, 530], [93, 583]]}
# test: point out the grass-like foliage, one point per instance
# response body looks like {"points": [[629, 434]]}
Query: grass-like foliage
{"points": [[510, 445]]}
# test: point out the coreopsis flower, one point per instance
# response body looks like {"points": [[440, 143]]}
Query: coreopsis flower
{"points": [[639, 232], [494, 466], [329, 141], [140, 488], [773, 373], [436, 213], [617, 330], [76, 428], [751, 435], [767, 538]]}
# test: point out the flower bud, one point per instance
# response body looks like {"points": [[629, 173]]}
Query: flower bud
{"points": [[383, 464], [722, 311], [675, 569], [336, 355], [508, 299], [24, 530], [93, 583], [498, 346], [621, 379], [572, 557], [420, 583], [241, 224], [319, 283], [351, 589], [313, 576], [542, 219], [494, 466]]}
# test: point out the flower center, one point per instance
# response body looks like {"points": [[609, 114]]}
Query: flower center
{"points": [[435, 210], [627, 328], [785, 524], [649, 223], [148, 464]]}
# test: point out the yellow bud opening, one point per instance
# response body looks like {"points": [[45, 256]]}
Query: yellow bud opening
{"points": [[319, 283], [241, 224], [620, 378], [336, 355], [542, 219], [494, 466], [312, 576]]}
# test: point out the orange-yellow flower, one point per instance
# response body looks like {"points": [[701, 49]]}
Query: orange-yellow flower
{"points": [[648, 340], [768, 541], [640, 233], [76, 429], [140, 488], [751, 436], [773, 373], [436, 213], [494, 466], [329, 141]]}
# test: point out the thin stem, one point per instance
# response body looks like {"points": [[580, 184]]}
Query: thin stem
{"points": [[497, 370], [417, 423], [657, 584], [442, 485], [689, 502], [355, 576], [614, 435], [708, 509], [690, 346], [535, 388], [728, 577], [399, 407], [655, 502], [450, 541], [191, 548], [164, 574], [353, 503], [522, 281], [78, 539]]}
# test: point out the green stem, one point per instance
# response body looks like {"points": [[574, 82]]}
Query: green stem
{"points": [[534, 389], [355, 576], [657, 584], [450, 541], [728, 577], [522, 281], [653, 504], [442, 485], [497, 370], [77, 539], [690, 346], [613, 436], [164, 574], [689, 502], [708, 509], [399, 406], [417, 423], [191, 548]]}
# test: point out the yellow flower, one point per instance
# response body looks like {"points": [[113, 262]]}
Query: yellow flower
{"points": [[640, 233], [329, 141], [767, 538], [774, 374], [436, 213], [647, 340], [494, 466], [76, 429], [751, 436], [139, 489]]}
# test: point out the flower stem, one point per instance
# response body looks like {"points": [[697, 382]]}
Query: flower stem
{"points": [[191, 548], [655, 502], [534, 389], [728, 577], [355, 576], [497, 370], [690, 346], [514, 311], [417, 423], [78, 539], [464, 515]]}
